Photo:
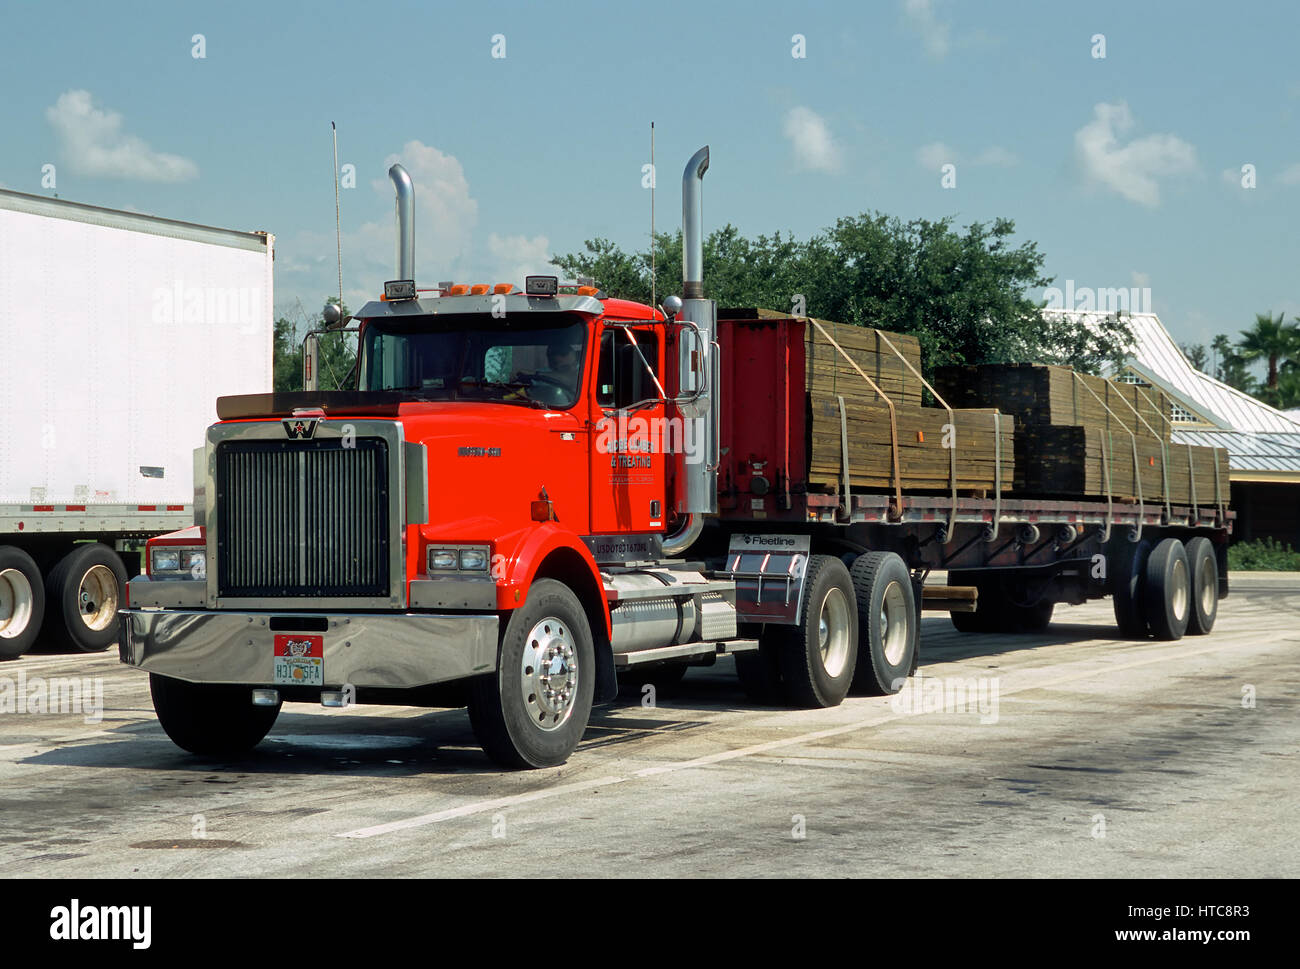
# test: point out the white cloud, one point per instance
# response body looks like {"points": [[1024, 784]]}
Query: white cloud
{"points": [[92, 142], [1131, 170], [1140, 279], [445, 212], [814, 147], [935, 155], [518, 256], [934, 32], [1290, 175]]}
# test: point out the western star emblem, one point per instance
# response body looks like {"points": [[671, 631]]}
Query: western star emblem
{"points": [[299, 429]]}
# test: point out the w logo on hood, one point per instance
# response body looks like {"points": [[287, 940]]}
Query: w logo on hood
{"points": [[299, 429]]}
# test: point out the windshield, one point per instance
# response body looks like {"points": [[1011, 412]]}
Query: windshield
{"points": [[477, 357]]}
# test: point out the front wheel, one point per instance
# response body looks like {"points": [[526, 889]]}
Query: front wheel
{"points": [[206, 718], [533, 710]]}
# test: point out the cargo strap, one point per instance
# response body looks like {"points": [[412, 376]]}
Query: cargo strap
{"points": [[1164, 451], [997, 475], [844, 458], [1137, 472], [950, 532], [893, 418]]}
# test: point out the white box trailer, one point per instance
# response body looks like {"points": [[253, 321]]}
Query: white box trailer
{"points": [[118, 331]]}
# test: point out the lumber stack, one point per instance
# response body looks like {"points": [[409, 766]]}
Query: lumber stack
{"points": [[830, 375], [925, 443], [1058, 396], [1067, 438]]}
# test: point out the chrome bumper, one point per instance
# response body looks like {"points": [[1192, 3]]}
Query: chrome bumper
{"points": [[362, 649]]}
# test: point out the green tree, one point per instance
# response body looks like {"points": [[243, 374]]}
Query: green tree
{"points": [[1196, 355], [1271, 340], [1231, 367], [338, 351], [964, 295]]}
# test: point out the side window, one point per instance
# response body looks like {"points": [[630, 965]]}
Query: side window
{"points": [[621, 376]]}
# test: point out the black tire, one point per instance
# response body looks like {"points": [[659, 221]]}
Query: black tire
{"points": [[1028, 619], [759, 670], [1129, 570], [1168, 594], [882, 583], [507, 720], [84, 591], [981, 620], [1204, 566], [22, 602], [206, 718], [820, 653]]}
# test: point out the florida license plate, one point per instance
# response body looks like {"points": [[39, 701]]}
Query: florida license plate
{"points": [[299, 660]]}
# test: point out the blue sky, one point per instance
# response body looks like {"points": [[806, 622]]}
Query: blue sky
{"points": [[1125, 169]]}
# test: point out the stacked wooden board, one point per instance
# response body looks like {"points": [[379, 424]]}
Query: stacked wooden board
{"points": [[830, 374], [1083, 436]]}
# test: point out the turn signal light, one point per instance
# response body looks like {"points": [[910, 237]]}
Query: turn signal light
{"points": [[479, 289], [460, 289]]}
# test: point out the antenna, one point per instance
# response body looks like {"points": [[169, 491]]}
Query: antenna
{"points": [[653, 178], [338, 229]]}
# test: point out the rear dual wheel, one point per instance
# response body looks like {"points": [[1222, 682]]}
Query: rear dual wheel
{"points": [[22, 602], [84, 592]]}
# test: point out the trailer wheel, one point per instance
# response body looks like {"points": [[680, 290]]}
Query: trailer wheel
{"points": [[1204, 566], [533, 710], [22, 602], [85, 593], [759, 670], [210, 718], [819, 655], [981, 620], [1168, 595], [888, 631], [1129, 567]]}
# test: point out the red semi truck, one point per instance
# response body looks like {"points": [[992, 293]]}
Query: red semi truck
{"points": [[529, 493]]}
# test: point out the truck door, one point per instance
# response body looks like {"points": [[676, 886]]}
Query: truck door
{"points": [[628, 462]]}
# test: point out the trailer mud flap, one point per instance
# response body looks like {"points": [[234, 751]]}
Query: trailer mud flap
{"points": [[768, 571]]}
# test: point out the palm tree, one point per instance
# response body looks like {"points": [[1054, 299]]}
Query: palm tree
{"points": [[1272, 340]]}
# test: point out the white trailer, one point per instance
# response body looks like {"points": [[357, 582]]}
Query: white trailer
{"points": [[118, 331]]}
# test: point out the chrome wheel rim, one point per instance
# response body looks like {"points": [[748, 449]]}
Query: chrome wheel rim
{"points": [[549, 674], [833, 632], [97, 597], [1178, 593], [895, 624], [15, 603]]}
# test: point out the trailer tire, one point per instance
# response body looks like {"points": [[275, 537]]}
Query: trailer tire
{"points": [[210, 718], [521, 717], [819, 654], [981, 620], [83, 595], [886, 650], [1168, 596], [1204, 566], [1129, 587], [759, 670], [22, 602]]}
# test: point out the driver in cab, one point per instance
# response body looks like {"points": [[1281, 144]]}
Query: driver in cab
{"points": [[556, 383]]}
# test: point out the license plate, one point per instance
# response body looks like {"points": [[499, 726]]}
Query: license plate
{"points": [[299, 660]]}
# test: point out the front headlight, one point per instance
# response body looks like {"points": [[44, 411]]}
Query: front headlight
{"points": [[175, 561], [458, 558]]}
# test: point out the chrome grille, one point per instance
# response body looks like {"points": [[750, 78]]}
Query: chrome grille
{"points": [[302, 518]]}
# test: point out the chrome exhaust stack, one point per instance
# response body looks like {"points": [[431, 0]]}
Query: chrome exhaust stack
{"points": [[699, 366], [405, 222]]}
